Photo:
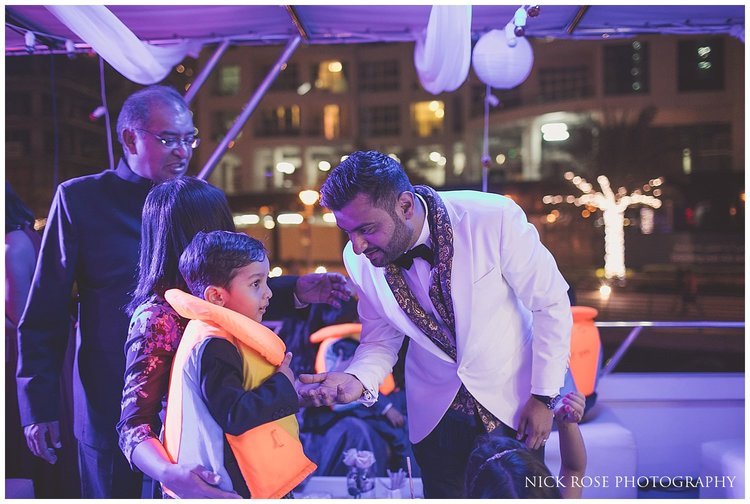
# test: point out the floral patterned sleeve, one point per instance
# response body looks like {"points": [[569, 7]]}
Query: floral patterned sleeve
{"points": [[153, 336]]}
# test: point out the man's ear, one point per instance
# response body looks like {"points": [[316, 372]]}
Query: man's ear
{"points": [[128, 141], [405, 204], [214, 295]]}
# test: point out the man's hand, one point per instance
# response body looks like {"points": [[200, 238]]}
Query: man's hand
{"points": [[328, 288], [194, 482], [285, 369], [536, 423], [395, 417], [42, 439], [325, 389], [570, 409]]}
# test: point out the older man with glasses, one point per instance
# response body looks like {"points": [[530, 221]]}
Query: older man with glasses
{"points": [[92, 240]]}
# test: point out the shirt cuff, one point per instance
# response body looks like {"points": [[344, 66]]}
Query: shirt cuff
{"points": [[387, 407], [368, 397]]}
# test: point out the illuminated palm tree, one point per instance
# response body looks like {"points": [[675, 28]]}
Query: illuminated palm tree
{"points": [[613, 207]]}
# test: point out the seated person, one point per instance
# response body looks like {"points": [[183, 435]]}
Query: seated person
{"points": [[385, 418], [498, 466], [229, 407], [326, 434]]}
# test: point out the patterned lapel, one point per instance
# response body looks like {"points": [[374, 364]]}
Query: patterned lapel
{"points": [[441, 234]]}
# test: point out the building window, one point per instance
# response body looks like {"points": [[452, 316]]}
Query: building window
{"points": [[429, 163], [17, 143], [222, 121], [279, 121], [228, 82], [701, 65], [380, 121], [17, 104], [626, 68], [379, 75], [565, 83], [427, 118], [330, 75], [705, 147], [226, 173], [331, 121], [287, 80]]}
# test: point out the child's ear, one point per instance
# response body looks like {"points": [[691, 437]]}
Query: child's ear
{"points": [[214, 295]]}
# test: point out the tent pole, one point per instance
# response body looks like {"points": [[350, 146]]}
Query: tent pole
{"points": [[297, 21], [205, 72], [249, 107], [576, 19]]}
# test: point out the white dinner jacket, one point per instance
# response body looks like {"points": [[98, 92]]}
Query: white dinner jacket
{"points": [[512, 315]]}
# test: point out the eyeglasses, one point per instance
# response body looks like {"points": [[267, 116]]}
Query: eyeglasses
{"points": [[190, 141]]}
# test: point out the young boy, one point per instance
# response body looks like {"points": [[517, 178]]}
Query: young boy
{"points": [[229, 407]]}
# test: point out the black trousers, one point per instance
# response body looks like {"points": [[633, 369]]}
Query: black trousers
{"points": [[105, 474], [444, 453]]}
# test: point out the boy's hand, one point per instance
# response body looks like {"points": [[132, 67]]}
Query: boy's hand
{"points": [[285, 369], [571, 407]]}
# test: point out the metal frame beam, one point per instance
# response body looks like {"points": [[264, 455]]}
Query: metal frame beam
{"points": [[206, 71], [576, 19], [249, 107], [297, 22]]}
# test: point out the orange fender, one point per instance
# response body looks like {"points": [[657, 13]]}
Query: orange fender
{"points": [[329, 335], [585, 346]]}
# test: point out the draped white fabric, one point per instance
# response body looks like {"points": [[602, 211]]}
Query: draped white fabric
{"points": [[442, 55], [113, 41]]}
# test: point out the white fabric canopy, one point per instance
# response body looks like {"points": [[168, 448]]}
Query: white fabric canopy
{"points": [[340, 24], [442, 54], [144, 41], [116, 43]]}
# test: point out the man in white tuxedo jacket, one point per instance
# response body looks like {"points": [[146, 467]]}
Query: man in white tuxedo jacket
{"points": [[465, 276]]}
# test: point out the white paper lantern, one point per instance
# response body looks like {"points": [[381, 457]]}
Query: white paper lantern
{"points": [[499, 65]]}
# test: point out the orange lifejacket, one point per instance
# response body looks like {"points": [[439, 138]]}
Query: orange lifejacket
{"points": [[269, 456]]}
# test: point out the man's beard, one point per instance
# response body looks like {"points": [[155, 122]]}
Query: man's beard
{"points": [[397, 245]]}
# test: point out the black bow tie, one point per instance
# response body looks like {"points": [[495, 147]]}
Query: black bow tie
{"points": [[407, 259]]}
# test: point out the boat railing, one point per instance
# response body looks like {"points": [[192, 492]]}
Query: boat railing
{"points": [[638, 326]]}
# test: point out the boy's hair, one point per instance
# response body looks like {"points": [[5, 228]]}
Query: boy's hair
{"points": [[214, 258], [498, 468], [373, 173]]}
